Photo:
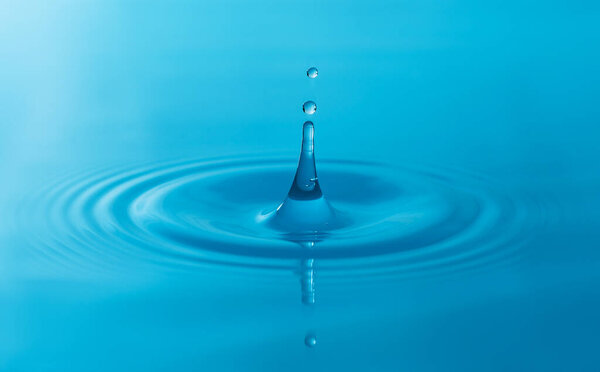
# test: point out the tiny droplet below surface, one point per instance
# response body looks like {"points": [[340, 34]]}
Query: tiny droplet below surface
{"points": [[310, 340]]}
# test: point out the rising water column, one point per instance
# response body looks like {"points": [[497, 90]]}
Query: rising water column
{"points": [[305, 210]]}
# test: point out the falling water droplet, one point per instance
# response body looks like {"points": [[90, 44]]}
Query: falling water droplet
{"points": [[309, 107], [310, 339], [312, 72]]}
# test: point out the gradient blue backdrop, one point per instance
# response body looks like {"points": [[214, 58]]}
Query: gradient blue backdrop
{"points": [[508, 89]]}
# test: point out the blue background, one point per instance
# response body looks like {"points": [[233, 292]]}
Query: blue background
{"points": [[508, 89]]}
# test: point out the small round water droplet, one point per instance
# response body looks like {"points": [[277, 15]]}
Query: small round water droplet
{"points": [[310, 340], [309, 107], [312, 72]]}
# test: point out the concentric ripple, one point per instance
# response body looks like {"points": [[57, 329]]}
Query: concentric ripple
{"points": [[213, 212]]}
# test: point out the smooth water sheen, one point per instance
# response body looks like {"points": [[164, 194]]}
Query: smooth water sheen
{"points": [[164, 208]]}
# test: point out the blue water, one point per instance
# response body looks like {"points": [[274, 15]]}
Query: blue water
{"points": [[152, 217]]}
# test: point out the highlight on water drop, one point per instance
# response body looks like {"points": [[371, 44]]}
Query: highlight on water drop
{"points": [[309, 107], [312, 72]]}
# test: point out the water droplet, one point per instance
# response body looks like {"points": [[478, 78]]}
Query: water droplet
{"points": [[312, 72], [309, 107], [310, 339]]}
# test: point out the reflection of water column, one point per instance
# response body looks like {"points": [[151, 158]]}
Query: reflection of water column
{"points": [[307, 281], [307, 285], [306, 272]]}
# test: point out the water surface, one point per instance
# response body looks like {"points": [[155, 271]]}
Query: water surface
{"points": [[140, 144]]}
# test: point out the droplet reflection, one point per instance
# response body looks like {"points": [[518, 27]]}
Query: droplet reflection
{"points": [[310, 340]]}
